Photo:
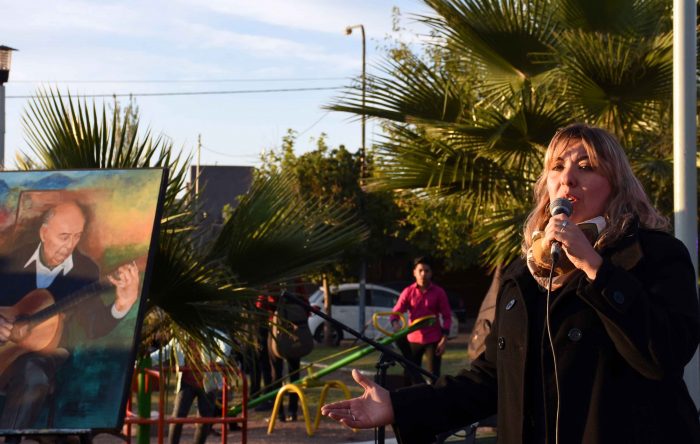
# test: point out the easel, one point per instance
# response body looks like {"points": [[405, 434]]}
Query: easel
{"points": [[84, 435]]}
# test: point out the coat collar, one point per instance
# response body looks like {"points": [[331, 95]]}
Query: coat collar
{"points": [[626, 252]]}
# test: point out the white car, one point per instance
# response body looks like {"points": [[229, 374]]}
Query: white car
{"points": [[345, 299]]}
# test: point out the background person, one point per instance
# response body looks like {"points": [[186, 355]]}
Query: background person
{"points": [[194, 384], [261, 367], [288, 346], [420, 299], [623, 320]]}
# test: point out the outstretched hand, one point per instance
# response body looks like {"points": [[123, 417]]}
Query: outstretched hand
{"points": [[372, 409]]}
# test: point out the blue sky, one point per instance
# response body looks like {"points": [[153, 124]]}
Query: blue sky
{"points": [[164, 45]]}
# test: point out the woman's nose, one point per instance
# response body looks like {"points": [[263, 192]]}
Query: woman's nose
{"points": [[568, 177]]}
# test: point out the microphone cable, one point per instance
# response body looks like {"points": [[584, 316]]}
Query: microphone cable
{"points": [[555, 259]]}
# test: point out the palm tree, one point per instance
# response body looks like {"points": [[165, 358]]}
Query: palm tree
{"points": [[194, 292], [472, 117]]}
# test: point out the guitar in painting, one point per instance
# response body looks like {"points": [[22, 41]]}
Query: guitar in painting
{"points": [[38, 321]]}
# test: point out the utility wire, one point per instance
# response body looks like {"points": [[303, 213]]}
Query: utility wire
{"points": [[268, 79], [193, 93], [323, 116], [237, 156]]}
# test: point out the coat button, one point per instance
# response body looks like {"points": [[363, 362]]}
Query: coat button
{"points": [[619, 297], [501, 342], [510, 304], [575, 334]]}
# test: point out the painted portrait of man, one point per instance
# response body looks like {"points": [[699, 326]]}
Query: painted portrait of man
{"points": [[71, 286]]}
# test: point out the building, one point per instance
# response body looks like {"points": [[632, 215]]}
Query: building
{"points": [[216, 187]]}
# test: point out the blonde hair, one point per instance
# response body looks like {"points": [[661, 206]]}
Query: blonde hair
{"points": [[627, 203]]}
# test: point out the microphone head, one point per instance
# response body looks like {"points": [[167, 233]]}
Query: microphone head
{"points": [[561, 206]]}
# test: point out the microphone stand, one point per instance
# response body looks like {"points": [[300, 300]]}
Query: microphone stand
{"points": [[387, 359]]}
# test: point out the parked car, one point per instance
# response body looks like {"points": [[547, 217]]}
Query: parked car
{"points": [[345, 299]]}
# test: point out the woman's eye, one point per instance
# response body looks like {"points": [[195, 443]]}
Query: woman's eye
{"points": [[586, 166], [558, 167]]}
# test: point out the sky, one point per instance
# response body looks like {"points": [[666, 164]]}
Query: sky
{"points": [[170, 46]]}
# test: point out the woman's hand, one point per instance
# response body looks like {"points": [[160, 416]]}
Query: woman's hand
{"points": [[372, 409], [574, 243]]}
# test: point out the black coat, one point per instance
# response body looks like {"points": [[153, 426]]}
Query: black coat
{"points": [[621, 343]]}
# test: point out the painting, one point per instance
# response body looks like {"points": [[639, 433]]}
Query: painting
{"points": [[76, 249]]}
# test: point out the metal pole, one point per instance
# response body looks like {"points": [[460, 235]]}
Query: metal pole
{"points": [[363, 266], [199, 158], [363, 160], [143, 435], [362, 299], [684, 149], [2, 126]]}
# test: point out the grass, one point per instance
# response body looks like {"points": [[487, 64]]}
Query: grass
{"points": [[454, 359]]}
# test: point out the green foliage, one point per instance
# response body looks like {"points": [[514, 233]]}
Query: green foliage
{"points": [[64, 133], [437, 224], [331, 176]]}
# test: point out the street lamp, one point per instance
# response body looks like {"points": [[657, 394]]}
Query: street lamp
{"points": [[5, 62], [363, 266], [348, 31]]}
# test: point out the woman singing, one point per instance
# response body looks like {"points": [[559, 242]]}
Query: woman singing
{"points": [[600, 357]]}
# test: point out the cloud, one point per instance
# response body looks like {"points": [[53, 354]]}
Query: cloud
{"points": [[73, 16], [328, 16], [262, 46]]}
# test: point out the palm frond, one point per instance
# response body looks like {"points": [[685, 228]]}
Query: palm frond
{"points": [[499, 35], [408, 89], [274, 235], [616, 81], [506, 142], [639, 18], [501, 232], [63, 133]]}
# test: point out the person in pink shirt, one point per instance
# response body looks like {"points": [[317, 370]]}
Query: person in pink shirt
{"points": [[422, 299]]}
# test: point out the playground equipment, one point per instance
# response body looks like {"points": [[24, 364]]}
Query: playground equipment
{"points": [[313, 378], [151, 379]]}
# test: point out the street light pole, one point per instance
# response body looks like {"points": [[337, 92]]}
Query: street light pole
{"points": [[348, 31], [5, 62], [685, 209], [362, 296]]}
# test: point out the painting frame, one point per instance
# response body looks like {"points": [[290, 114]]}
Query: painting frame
{"points": [[120, 210]]}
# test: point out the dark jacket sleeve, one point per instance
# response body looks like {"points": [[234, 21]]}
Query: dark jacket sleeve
{"points": [[650, 312], [421, 412]]}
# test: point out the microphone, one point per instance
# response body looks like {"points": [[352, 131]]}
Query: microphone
{"points": [[559, 206]]}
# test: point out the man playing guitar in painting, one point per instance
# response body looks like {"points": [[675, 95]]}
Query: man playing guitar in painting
{"points": [[52, 263]]}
